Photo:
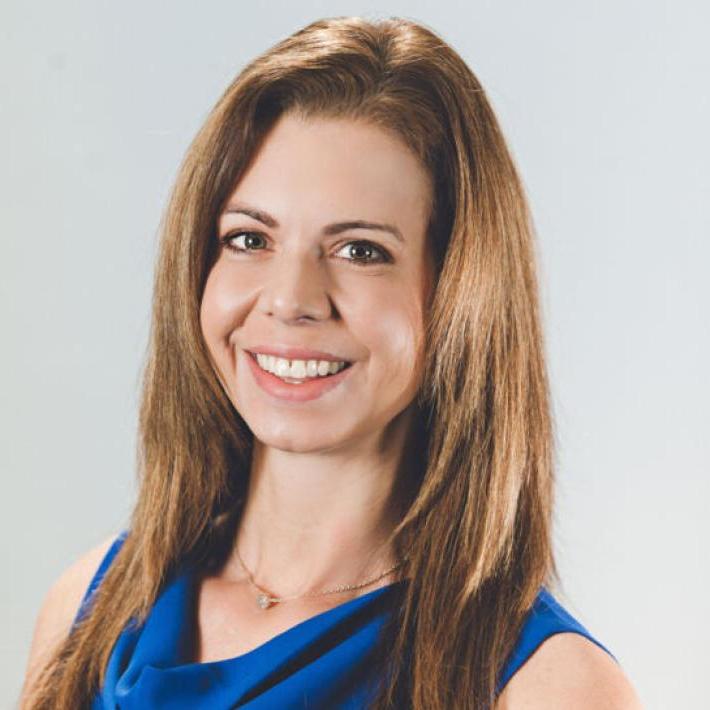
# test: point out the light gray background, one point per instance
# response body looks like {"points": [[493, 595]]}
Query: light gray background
{"points": [[606, 108]]}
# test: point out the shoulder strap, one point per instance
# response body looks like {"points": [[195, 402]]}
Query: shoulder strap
{"points": [[546, 618], [99, 575]]}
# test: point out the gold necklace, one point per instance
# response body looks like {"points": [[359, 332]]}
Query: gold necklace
{"points": [[264, 600]]}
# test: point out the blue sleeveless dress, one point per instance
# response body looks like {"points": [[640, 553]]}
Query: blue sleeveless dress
{"points": [[323, 662]]}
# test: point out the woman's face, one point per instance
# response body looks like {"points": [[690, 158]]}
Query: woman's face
{"points": [[323, 249]]}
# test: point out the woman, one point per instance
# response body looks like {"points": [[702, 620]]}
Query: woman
{"points": [[346, 447]]}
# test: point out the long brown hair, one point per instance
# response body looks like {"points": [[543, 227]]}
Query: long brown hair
{"points": [[477, 524]]}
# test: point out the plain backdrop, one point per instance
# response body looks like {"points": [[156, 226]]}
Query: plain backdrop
{"points": [[605, 106]]}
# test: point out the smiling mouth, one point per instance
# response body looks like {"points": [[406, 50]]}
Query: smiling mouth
{"points": [[298, 371]]}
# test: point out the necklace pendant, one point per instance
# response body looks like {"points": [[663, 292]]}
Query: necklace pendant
{"points": [[263, 601]]}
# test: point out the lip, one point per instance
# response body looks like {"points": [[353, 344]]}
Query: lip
{"points": [[309, 390], [292, 353]]}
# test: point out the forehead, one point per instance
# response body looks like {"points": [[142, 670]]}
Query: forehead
{"points": [[342, 167]]}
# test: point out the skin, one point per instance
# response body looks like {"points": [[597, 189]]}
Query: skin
{"points": [[59, 608], [569, 672], [319, 501]]}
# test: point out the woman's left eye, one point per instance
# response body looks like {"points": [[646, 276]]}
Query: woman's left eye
{"points": [[362, 252]]}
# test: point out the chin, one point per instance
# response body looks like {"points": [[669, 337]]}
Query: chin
{"points": [[299, 441]]}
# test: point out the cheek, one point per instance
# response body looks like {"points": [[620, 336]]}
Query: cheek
{"points": [[209, 310], [394, 333], [221, 308]]}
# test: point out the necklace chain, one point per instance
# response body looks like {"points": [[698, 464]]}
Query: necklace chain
{"points": [[264, 600]]}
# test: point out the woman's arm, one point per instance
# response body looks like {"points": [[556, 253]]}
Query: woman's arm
{"points": [[569, 671], [59, 608]]}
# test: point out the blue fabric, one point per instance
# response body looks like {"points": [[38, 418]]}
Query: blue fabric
{"points": [[323, 662]]}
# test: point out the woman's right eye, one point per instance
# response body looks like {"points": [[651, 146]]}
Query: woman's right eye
{"points": [[250, 240]]}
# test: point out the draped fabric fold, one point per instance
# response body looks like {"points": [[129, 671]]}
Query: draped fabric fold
{"points": [[325, 662], [322, 662]]}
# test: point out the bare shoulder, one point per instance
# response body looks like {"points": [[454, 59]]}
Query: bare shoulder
{"points": [[60, 606], [569, 671]]}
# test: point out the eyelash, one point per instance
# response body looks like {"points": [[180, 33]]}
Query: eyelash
{"points": [[386, 257]]}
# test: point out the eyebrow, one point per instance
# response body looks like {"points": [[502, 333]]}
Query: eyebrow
{"points": [[330, 229]]}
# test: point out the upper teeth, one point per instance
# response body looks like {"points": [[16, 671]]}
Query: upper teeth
{"points": [[298, 369]]}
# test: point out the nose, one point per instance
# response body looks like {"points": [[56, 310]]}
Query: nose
{"points": [[295, 288]]}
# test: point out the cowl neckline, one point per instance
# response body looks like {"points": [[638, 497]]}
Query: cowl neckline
{"points": [[321, 656]]}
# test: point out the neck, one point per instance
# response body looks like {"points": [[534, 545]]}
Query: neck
{"points": [[313, 521]]}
